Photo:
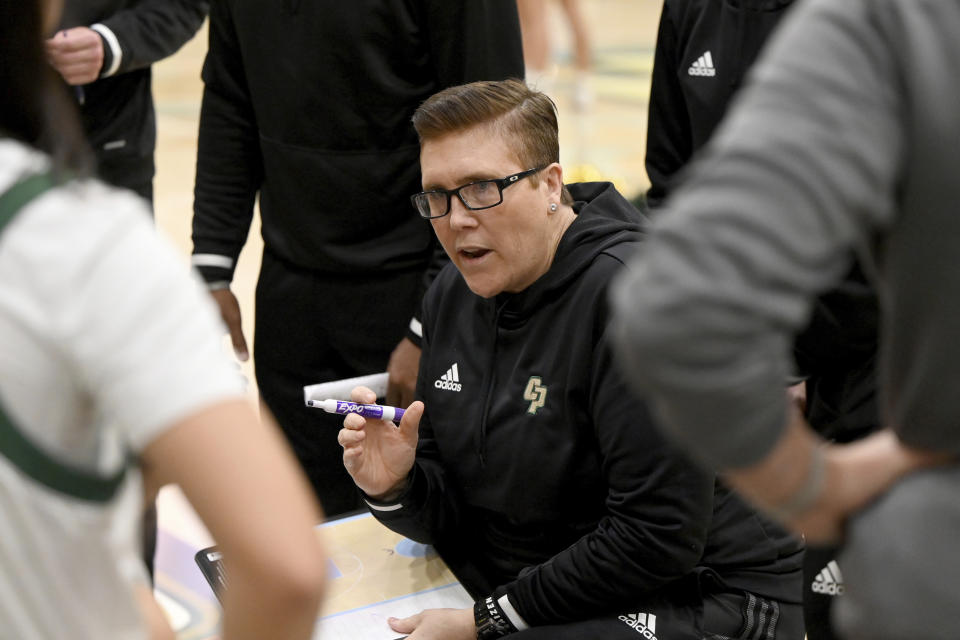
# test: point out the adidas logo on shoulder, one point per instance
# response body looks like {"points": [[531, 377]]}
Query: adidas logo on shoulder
{"points": [[450, 381], [643, 623], [829, 581], [703, 66]]}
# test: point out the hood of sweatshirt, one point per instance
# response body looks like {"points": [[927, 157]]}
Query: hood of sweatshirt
{"points": [[604, 219]]}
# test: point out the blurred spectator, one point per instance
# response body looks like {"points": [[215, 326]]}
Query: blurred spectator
{"points": [[537, 52]]}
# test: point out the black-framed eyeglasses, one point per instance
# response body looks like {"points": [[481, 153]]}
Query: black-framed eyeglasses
{"points": [[475, 196]]}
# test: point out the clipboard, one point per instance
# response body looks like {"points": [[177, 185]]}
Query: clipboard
{"points": [[210, 561], [375, 573]]}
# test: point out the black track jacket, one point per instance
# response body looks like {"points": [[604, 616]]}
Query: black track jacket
{"points": [[117, 110], [704, 48], [539, 474], [308, 104]]}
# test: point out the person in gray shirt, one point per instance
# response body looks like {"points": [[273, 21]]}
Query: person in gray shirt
{"points": [[846, 137]]}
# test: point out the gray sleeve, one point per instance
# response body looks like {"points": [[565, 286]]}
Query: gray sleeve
{"points": [[804, 169]]}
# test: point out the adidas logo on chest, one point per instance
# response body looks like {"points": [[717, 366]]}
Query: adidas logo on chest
{"points": [[643, 623], [703, 66], [450, 381]]}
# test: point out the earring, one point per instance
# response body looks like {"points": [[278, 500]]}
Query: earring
{"points": [[553, 206]]}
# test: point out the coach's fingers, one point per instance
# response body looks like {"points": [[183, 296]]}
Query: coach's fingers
{"points": [[348, 438], [353, 421], [363, 395]]}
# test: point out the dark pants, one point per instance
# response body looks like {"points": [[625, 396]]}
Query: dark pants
{"points": [[699, 606], [718, 616], [314, 327]]}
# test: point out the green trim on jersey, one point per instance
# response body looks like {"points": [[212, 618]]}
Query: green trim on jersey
{"points": [[17, 196], [54, 474], [14, 445]]}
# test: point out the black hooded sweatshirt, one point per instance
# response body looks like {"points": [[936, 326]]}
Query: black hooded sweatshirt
{"points": [[539, 475]]}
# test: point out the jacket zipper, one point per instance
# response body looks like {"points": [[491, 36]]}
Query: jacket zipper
{"points": [[487, 388]]}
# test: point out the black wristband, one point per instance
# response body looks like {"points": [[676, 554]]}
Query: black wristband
{"points": [[490, 621]]}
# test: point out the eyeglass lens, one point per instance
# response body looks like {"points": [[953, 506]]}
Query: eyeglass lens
{"points": [[479, 195]]}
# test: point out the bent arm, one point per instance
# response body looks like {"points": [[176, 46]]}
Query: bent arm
{"points": [[427, 509], [241, 478], [813, 487], [229, 162], [149, 31]]}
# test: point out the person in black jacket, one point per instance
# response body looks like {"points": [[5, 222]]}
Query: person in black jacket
{"points": [[704, 50], [526, 462], [308, 105], [104, 49]]}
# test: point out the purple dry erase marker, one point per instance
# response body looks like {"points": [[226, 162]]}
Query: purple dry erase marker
{"points": [[376, 411]]}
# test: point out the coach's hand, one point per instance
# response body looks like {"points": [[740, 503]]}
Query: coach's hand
{"points": [[76, 54], [437, 624], [377, 453]]}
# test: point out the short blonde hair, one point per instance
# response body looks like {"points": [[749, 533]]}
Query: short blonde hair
{"points": [[524, 117]]}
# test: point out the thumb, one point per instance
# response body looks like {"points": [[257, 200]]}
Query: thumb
{"points": [[410, 422], [405, 625]]}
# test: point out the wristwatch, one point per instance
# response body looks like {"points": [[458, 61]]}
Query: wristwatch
{"points": [[490, 621]]}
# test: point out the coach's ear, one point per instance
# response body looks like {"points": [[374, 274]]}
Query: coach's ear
{"points": [[552, 176]]}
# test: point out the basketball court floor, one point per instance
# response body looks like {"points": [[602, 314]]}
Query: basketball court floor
{"points": [[604, 141]]}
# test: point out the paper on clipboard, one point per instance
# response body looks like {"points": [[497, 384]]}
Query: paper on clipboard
{"points": [[374, 574], [340, 389]]}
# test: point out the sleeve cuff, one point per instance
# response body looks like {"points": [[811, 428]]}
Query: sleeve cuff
{"points": [[214, 269], [114, 55], [415, 332], [416, 328], [511, 613], [395, 504], [376, 505]]}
